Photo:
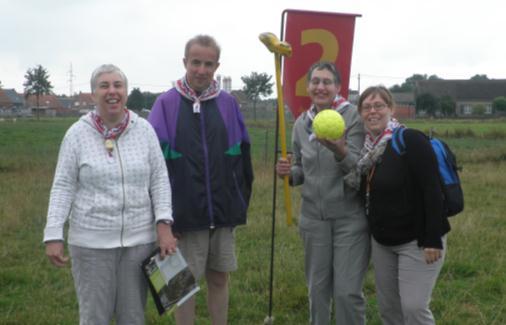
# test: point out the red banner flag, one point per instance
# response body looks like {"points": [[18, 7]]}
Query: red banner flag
{"points": [[315, 36]]}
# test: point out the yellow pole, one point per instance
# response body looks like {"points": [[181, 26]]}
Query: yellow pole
{"points": [[282, 135]]}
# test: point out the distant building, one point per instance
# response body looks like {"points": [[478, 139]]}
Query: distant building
{"points": [[83, 103], [241, 97], [218, 79], [11, 103], [404, 105], [48, 105], [353, 96], [472, 97], [227, 84]]}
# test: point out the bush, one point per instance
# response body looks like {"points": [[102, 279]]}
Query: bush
{"points": [[499, 104], [479, 109]]}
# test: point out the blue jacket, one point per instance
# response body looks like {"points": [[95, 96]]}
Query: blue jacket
{"points": [[208, 158]]}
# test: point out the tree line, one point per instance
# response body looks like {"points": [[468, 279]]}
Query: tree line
{"points": [[258, 85]]}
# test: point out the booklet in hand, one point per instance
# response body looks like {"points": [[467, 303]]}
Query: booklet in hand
{"points": [[170, 280]]}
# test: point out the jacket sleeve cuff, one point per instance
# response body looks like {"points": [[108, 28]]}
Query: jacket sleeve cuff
{"points": [[347, 162], [296, 177], [163, 215], [433, 242], [53, 234]]}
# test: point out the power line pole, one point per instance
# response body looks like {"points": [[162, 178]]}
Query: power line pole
{"points": [[71, 78], [359, 84]]}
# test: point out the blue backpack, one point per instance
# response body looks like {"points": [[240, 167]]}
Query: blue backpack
{"points": [[448, 170]]}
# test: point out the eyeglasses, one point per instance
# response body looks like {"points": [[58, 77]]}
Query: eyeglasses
{"points": [[377, 107], [325, 81]]}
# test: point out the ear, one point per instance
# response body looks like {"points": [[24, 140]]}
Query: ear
{"points": [[338, 88], [94, 97], [184, 62], [392, 111]]}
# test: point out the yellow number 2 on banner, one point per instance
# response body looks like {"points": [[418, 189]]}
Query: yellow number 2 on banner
{"points": [[330, 51]]}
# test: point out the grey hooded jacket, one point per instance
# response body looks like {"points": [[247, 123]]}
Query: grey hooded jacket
{"points": [[320, 171]]}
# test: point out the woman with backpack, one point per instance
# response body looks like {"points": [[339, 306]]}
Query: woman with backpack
{"points": [[405, 210]]}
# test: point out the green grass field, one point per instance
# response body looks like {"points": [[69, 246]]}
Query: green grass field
{"points": [[471, 288]]}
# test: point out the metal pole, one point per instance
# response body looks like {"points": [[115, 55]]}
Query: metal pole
{"points": [[269, 320]]}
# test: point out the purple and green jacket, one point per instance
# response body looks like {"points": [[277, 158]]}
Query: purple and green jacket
{"points": [[208, 159]]}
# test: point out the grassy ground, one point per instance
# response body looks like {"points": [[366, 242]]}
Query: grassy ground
{"points": [[470, 290]]}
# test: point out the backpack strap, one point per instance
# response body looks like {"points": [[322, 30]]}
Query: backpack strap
{"points": [[398, 141]]}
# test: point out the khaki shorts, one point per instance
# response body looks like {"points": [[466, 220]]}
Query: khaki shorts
{"points": [[211, 249]]}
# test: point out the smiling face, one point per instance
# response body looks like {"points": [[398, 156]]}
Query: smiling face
{"points": [[322, 88], [201, 63], [110, 96], [375, 113]]}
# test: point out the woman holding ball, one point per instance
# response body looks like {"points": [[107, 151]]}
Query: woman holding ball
{"points": [[332, 223]]}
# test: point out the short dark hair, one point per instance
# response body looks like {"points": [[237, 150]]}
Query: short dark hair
{"points": [[379, 90], [325, 65], [205, 41]]}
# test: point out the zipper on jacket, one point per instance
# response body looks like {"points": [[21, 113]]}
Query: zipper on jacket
{"points": [[123, 189], [318, 147], [206, 170]]}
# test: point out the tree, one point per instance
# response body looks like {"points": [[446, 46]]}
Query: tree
{"points": [[149, 98], [427, 103], [37, 83], [410, 83], [256, 85], [447, 105], [499, 104], [136, 100], [434, 77], [479, 77], [479, 109]]}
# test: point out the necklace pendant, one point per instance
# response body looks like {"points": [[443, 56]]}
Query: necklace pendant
{"points": [[109, 145], [196, 107]]}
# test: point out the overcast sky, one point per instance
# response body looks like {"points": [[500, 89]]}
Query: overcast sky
{"points": [[393, 39]]}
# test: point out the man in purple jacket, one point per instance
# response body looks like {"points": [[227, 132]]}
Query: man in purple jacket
{"points": [[207, 150]]}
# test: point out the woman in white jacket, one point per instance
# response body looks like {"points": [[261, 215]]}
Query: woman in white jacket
{"points": [[111, 183]]}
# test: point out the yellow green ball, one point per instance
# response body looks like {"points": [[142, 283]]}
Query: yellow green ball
{"points": [[328, 124]]}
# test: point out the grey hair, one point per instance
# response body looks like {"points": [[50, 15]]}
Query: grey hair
{"points": [[106, 68], [325, 65]]}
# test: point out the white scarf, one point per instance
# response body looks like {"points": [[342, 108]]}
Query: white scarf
{"points": [[183, 87], [374, 146]]}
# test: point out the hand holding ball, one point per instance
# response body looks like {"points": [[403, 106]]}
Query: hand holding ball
{"points": [[328, 124]]}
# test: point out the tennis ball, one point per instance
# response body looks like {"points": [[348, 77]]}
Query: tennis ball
{"points": [[328, 124]]}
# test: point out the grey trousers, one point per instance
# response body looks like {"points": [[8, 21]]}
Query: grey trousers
{"points": [[404, 283], [109, 283], [336, 260]]}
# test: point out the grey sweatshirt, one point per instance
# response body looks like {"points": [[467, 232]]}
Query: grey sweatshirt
{"points": [[320, 171]]}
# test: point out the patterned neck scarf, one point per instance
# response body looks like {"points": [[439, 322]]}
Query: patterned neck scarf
{"points": [[110, 134], [374, 146], [183, 87], [339, 104]]}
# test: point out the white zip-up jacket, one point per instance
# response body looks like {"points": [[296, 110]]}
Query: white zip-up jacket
{"points": [[111, 200]]}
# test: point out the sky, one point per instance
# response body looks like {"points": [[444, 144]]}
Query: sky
{"points": [[393, 38]]}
